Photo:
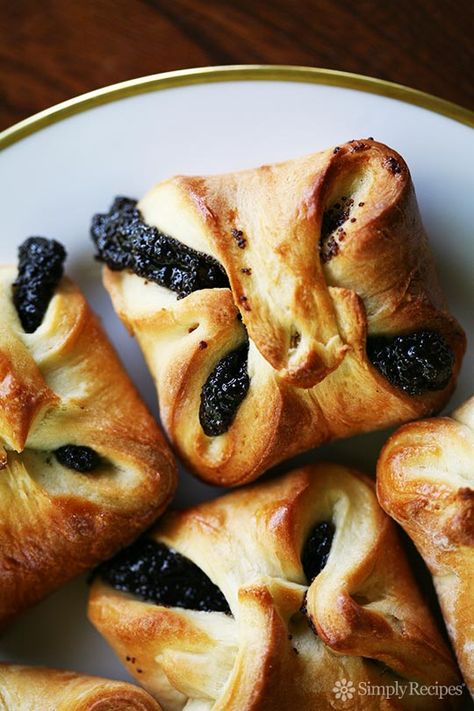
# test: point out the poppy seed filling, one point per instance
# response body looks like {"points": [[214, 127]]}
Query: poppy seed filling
{"points": [[223, 392], [81, 459], [152, 571], [416, 362], [316, 549], [332, 231], [40, 268], [125, 241]]}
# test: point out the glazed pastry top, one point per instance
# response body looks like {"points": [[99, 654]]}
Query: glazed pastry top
{"points": [[84, 466], [39, 689], [425, 480], [264, 299], [268, 595]]}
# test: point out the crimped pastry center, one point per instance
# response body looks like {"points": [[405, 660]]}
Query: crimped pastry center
{"points": [[288, 639], [58, 389], [322, 254], [83, 466]]}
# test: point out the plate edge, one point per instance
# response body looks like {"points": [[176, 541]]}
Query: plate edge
{"points": [[238, 72]]}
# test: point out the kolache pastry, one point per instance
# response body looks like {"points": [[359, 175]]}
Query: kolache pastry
{"points": [[38, 689], [282, 307], [425, 480], [83, 466], [268, 596]]}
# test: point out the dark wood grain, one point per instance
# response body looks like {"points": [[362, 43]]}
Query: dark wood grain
{"points": [[55, 49]]}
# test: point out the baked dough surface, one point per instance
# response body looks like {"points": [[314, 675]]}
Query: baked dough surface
{"points": [[425, 480], [365, 619], [63, 384], [39, 689], [307, 318]]}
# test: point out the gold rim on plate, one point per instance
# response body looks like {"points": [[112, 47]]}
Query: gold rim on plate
{"points": [[244, 72]]}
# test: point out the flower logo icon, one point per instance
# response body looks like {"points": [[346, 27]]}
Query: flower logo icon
{"points": [[344, 690]]}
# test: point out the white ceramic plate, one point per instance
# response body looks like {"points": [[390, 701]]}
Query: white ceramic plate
{"points": [[54, 180]]}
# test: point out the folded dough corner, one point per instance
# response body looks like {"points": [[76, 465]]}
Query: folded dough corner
{"points": [[25, 688], [84, 467], [425, 481], [317, 270], [268, 596]]}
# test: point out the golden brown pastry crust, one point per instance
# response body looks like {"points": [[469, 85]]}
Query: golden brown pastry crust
{"points": [[425, 480], [40, 689], [307, 319], [63, 384], [370, 622]]}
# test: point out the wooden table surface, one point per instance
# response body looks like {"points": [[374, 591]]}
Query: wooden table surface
{"points": [[55, 49]]}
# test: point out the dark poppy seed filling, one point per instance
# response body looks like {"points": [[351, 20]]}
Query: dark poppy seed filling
{"points": [[316, 549], [40, 268], [154, 572], [223, 392], [125, 241], [415, 362], [332, 232], [81, 459]]}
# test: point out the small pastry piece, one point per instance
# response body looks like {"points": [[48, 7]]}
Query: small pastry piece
{"points": [[282, 307], [425, 480], [268, 596], [83, 466], [39, 689]]}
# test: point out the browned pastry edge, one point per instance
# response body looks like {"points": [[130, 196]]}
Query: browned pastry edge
{"points": [[425, 481], [380, 281], [25, 688], [69, 387], [363, 606]]}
